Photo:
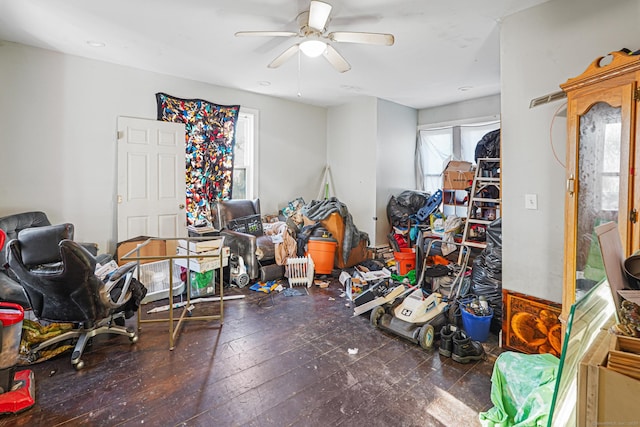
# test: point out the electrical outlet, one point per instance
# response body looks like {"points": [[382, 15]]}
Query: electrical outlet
{"points": [[531, 201]]}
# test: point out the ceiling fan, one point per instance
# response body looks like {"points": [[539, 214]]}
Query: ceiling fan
{"points": [[313, 31]]}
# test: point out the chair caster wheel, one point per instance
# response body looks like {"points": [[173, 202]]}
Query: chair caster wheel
{"points": [[79, 365], [32, 357], [134, 339]]}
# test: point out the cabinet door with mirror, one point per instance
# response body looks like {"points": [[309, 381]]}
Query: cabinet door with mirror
{"points": [[601, 168]]}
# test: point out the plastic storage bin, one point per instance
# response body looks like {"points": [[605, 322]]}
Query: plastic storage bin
{"points": [[155, 277]]}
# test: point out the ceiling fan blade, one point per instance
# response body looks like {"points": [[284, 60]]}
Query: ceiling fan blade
{"points": [[363, 38], [284, 56], [266, 34], [319, 14], [336, 60]]}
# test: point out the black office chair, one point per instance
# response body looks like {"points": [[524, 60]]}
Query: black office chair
{"points": [[11, 225], [58, 276]]}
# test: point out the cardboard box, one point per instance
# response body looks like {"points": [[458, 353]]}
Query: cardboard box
{"points": [[457, 175], [606, 397], [587, 378], [155, 248], [624, 356], [617, 398]]}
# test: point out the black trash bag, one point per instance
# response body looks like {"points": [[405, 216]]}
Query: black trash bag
{"points": [[402, 206], [485, 270], [486, 274], [302, 238], [484, 280], [493, 252], [489, 147]]}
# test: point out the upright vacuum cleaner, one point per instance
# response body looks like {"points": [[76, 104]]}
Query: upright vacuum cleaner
{"points": [[17, 389]]}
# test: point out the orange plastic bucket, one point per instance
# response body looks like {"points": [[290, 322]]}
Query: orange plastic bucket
{"points": [[405, 260], [322, 253]]}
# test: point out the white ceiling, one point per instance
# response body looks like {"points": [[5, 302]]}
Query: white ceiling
{"points": [[445, 50]]}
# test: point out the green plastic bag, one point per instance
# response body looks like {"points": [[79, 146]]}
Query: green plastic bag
{"points": [[521, 390], [410, 276]]}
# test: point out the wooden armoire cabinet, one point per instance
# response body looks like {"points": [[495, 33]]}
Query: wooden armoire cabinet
{"points": [[601, 167]]}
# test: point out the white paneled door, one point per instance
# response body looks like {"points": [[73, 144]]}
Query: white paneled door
{"points": [[151, 179]]}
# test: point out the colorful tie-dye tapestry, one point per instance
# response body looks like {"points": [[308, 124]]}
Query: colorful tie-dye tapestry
{"points": [[210, 139]]}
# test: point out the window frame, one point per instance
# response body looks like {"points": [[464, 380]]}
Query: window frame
{"points": [[252, 116]]}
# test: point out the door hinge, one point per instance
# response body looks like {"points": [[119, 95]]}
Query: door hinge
{"points": [[571, 185], [636, 94], [119, 199], [633, 216]]}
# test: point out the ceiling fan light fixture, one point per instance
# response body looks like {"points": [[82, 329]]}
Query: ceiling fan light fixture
{"points": [[313, 48]]}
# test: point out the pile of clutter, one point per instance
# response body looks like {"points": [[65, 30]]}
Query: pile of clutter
{"points": [[415, 306]]}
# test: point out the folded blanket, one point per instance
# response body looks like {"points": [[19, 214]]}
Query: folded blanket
{"points": [[33, 333]]}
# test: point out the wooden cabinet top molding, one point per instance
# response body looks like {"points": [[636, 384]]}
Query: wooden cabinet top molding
{"points": [[622, 63]]}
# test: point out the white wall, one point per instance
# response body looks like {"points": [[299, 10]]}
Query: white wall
{"points": [[395, 163], [370, 145], [58, 136], [351, 155], [459, 112], [541, 48]]}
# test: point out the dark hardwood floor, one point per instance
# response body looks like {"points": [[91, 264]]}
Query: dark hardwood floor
{"points": [[276, 361]]}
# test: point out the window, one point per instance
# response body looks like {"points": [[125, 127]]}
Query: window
{"points": [[244, 159], [438, 145]]}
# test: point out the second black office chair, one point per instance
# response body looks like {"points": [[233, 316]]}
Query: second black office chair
{"points": [[58, 276]]}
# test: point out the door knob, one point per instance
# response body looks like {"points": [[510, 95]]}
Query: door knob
{"points": [[181, 206]]}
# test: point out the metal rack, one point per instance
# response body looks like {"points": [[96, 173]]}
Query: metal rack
{"points": [[184, 314]]}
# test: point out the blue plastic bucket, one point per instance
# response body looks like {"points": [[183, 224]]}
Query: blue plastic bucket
{"points": [[476, 327]]}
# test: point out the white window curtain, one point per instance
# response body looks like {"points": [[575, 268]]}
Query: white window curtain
{"points": [[437, 146]]}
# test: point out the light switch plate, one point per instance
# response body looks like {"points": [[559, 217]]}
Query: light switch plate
{"points": [[531, 201]]}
